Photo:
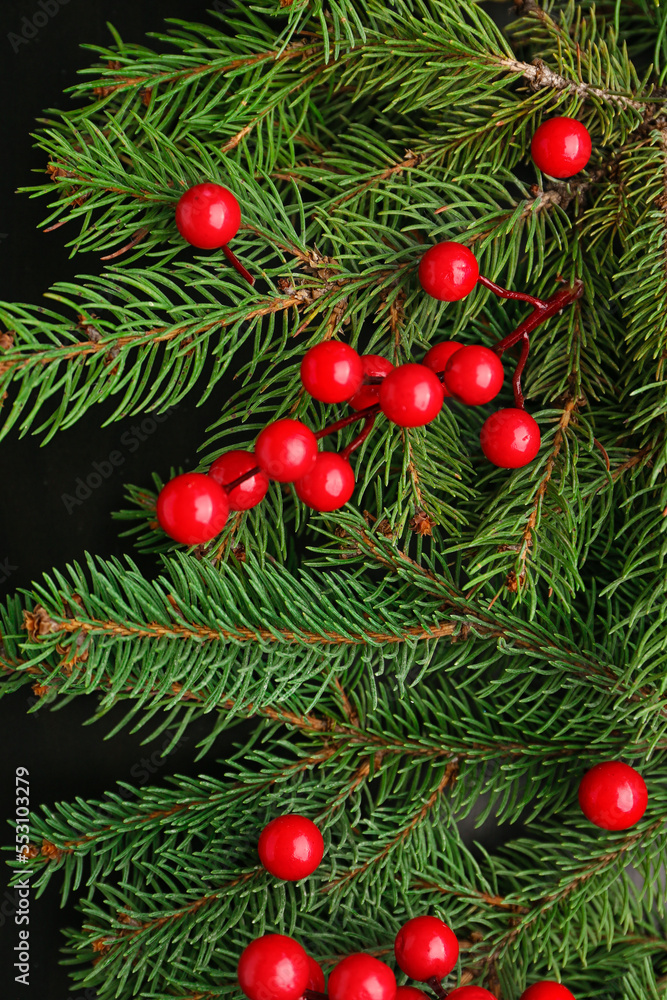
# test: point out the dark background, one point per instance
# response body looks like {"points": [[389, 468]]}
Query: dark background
{"points": [[38, 531], [66, 759]]}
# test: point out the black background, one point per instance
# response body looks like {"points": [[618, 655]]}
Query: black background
{"points": [[66, 759]]}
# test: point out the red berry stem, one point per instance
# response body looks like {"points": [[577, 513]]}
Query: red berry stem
{"points": [[505, 293], [236, 263], [360, 438], [228, 487], [516, 378], [540, 315], [436, 986], [359, 415]]}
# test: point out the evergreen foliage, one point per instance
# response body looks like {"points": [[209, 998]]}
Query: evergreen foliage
{"points": [[460, 641]]}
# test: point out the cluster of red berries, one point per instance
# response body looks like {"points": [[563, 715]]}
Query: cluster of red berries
{"points": [[411, 395], [193, 508], [276, 967]]}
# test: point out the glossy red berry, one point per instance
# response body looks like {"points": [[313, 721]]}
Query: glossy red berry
{"points": [[290, 847], [425, 947], [474, 375], [547, 990], [273, 967], [315, 976], [561, 147], [362, 977], [613, 795], [470, 993], [448, 271], [208, 216], [286, 450], [411, 395], [436, 357], [192, 508], [229, 467], [376, 367], [510, 438], [329, 484], [410, 993], [331, 371]]}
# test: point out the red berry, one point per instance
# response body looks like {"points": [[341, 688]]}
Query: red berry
{"points": [[376, 367], [474, 375], [192, 508], [362, 977], [229, 467], [329, 484], [436, 357], [290, 847], [409, 993], [470, 993], [273, 967], [448, 271], [331, 371], [411, 395], [613, 795], [286, 450], [426, 947], [315, 976], [546, 990], [208, 216], [561, 147], [510, 438]]}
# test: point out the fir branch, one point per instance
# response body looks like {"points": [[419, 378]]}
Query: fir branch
{"points": [[129, 934], [574, 881], [447, 779], [525, 637], [239, 634], [526, 543], [121, 81], [540, 76], [499, 902], [410, 160], [52, 852]]}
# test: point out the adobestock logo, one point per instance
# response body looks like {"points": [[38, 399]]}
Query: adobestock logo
{"points": [[6, 570], [31, 26], [131, 441]]}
